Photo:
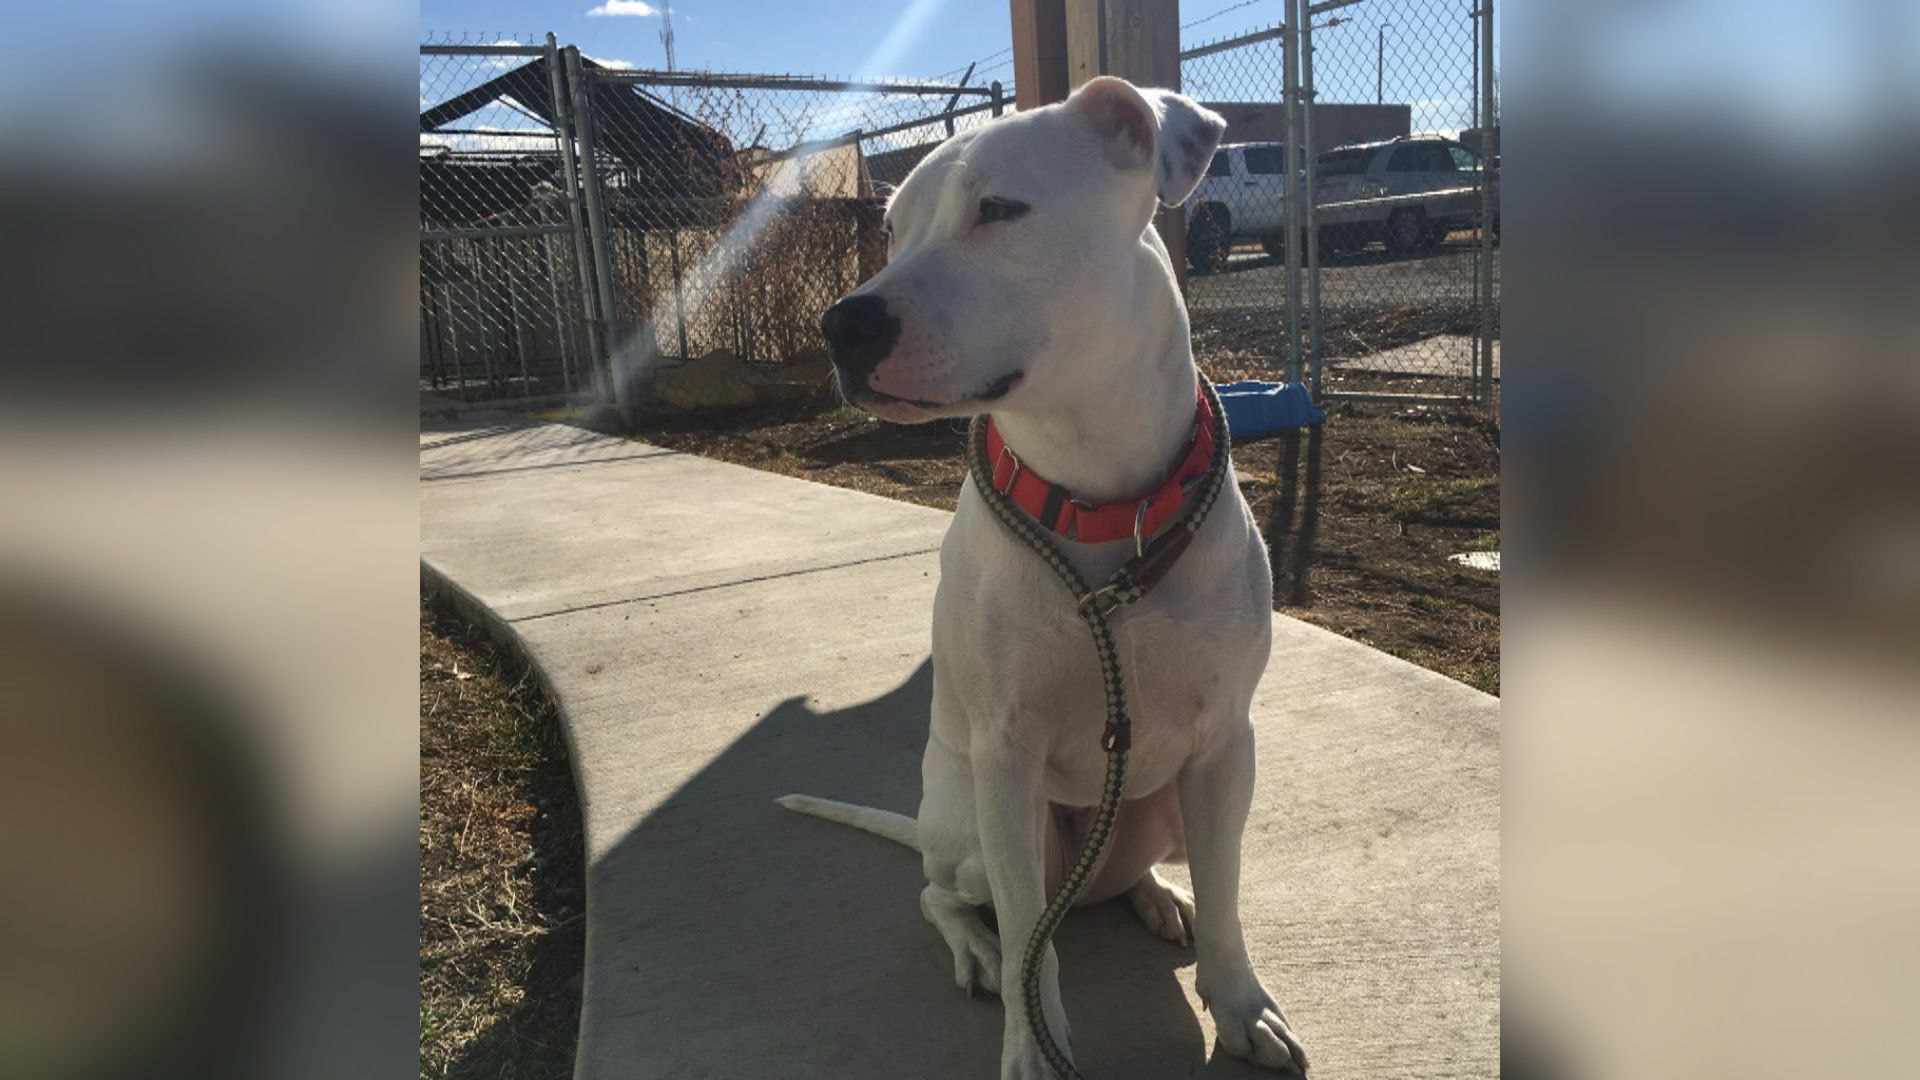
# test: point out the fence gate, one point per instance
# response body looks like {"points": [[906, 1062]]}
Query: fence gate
{"points": [[1358, 261], [506, 311], [1402, 270]]}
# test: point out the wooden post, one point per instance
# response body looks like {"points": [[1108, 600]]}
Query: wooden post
{"points": [[1086, 40], [1138, 40], [1039, 52]]}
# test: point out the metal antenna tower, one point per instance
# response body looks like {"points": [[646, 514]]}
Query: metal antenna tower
{"points": [[666, 30]]}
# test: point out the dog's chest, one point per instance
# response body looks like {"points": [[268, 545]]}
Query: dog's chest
{"points": [[1180, 676], [1007, 635]]}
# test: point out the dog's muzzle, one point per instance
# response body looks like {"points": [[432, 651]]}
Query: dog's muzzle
{"points": [[860, 333]]}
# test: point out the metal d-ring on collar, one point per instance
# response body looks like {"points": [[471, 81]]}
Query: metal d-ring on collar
{"points": [[1006, 452], [1151, 561]]}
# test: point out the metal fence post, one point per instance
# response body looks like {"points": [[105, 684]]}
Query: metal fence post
{"points": [[564, 134], [1290, 98], [997, 92], [597, 233], [1310, 100], [1488, 178]]}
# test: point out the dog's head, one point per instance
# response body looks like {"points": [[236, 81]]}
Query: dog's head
{"points": [[1012, 252]]}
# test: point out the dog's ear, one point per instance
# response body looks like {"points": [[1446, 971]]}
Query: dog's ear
{"points": [[1127, 125], [1138, 127], [1189, 134]]}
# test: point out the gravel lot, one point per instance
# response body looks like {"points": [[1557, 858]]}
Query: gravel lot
{"points": [[1369, 302]]}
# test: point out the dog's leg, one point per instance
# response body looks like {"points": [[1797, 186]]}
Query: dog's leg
{"points": [[956, 875], [1012, 808], [1215, 793], [1166, 908]]}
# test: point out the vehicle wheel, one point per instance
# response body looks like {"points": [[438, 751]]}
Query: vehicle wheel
{"points": [[1435, 237], [1404, 231], [1209, 235]]}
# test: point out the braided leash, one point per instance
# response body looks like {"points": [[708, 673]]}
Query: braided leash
{"points": [[1127, 585]]}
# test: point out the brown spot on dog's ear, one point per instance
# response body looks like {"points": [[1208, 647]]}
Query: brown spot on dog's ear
{"points": [[1122, 117]]}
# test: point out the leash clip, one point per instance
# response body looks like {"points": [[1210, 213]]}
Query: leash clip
{"points": [[1139, 524]]}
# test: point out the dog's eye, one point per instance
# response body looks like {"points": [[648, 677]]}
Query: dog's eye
{"points": [[993, 208]]}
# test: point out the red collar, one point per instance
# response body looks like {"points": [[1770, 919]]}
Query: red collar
{"points": [[1055, 507]]}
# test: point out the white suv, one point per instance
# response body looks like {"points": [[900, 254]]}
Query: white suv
{"points": [[1242, 197], [1406, 193]]}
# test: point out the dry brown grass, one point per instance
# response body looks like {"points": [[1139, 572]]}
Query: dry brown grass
{"points": [[501, 889]]}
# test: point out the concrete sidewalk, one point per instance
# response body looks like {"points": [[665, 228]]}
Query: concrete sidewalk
{"points": [[716, 637]]}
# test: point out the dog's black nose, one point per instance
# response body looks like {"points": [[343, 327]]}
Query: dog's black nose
{"points": [[859, 335]]}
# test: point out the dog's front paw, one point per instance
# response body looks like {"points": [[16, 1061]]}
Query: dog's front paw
{"points": [[1021, 1059], [1250, 1024], [1020, 1056]]}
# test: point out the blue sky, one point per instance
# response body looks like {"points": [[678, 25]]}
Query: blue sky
{"points": [[1428, 62], [811, 37]]}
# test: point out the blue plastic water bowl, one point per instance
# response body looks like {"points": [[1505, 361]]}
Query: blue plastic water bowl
{"points": [[1256, 408]]}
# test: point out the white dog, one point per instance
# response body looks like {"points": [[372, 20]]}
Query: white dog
{"points": [[1023, 280]]}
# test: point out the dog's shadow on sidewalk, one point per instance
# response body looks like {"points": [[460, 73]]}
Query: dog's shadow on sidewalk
{"points": [[735, 939]]}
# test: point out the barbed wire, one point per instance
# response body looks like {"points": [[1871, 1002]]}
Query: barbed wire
{"points": [[474, 37]]}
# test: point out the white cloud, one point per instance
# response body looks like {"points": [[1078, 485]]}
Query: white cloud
{"points": [[615, 65], [505, 63], [625, 7]]}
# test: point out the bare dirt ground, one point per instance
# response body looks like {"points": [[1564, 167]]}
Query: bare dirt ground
{"points": [[1360, 515], [502, 894]]}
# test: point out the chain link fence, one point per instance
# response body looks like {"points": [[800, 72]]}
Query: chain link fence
{"points": [[504, 305], [1236, 217], [588, 230], [1406, 284], [1389, 289], [737, 208]]}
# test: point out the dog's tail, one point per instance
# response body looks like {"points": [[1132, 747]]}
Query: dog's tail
{"points": [[898, 828]]}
